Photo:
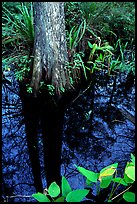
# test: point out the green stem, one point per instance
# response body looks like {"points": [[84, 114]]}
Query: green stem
{"points": [[111, 193], [97, 188]]}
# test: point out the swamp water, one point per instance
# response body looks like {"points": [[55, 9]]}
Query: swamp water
{"points": [[99, 130]]}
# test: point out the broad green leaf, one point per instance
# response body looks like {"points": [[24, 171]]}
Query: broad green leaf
{"points": [[133, 158], [127, 179], [76, 195], [90, 175], [130, 172], [107, 172], [54, 190], [119, 180], [65, 187], [115, 165], [129, 164], [40, 197], [60, 199], [105, 181], [129, 196]]}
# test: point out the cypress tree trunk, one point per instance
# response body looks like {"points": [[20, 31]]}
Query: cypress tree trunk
{"points": [[50, 51], [49, 65]]}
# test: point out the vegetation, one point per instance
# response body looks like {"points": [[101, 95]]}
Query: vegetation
{"points": [[100, 36], [106, 178], [95, 40]]}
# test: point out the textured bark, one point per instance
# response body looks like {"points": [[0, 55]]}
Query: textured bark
{"points": [[50, 51]]}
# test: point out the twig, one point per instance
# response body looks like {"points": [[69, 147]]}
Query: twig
{"points": [[122, 192], [82, 93]]}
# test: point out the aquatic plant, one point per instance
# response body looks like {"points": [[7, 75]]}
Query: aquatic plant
{"points": [[102, 180]]}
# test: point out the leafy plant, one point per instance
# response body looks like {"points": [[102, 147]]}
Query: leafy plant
{"points": [[75, 66], [51, 89], [76, 34], [20, 26], [108, 175], [23, 68], [55, 194], [103, 180], [102, 54]]}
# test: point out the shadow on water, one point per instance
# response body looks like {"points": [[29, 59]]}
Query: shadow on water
{"points": [[98, 130]]}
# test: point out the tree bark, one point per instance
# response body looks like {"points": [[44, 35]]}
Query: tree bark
{"points": [[50, 50]]}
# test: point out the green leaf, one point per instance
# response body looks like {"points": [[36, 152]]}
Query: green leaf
{"points": [[95, 47], [133, 158], [107, 172], [76, 195], [40, 197], [119, 180], [65, 187], [106, 175], [90, 45], [90, 175], [112, 166], [8, 41], [105, 181], [60, 199], [130, 172], [54, 190], [101, 56], [129, 196], [127, 179]]}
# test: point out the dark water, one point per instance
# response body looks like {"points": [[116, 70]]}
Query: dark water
{"points": [[96, 134]]}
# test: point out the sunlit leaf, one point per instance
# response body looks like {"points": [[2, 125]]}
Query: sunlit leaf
{"points": [[129, 196], [65, 187], [127, 179], [40, 197], [105, 181], [108, 172], [90, 175], [112, 166], [77, 195], [130, 172], [54, 190]]}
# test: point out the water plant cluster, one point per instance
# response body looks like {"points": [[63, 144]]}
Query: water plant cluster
{"points": [[106, 178]]}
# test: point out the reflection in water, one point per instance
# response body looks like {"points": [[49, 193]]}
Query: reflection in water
{"points": [[91, 138]]}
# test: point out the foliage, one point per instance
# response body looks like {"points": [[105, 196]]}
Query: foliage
{"points": [[102, 180], [125, 60], [76, 34], [55, 194], [22, 68], [95, 37], [18, 27], [104, 17]]}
